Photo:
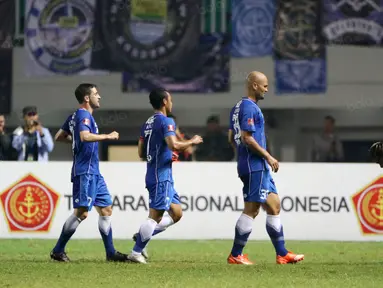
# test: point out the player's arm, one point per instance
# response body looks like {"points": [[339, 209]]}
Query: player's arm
{"points": [[141, 151], [181, 138], [248, 139], [171, 139], [63, 136], [87, 136], [179, 145], [247, 129], [230, 138]]}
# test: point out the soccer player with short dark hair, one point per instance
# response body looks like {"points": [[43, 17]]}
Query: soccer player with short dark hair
{"points": [[89, 187], [157, 141]]}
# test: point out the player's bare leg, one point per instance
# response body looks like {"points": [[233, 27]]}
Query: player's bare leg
{"points": [[275, 230], [243, 230], [105, 228], [144, 235], [174, 215], [58, 253]]}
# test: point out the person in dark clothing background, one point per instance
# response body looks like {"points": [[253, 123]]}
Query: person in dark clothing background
{"points": [[5, 141], [215, 146]]}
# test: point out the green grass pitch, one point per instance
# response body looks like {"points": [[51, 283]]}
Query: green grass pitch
{"points": [[26, 263]]}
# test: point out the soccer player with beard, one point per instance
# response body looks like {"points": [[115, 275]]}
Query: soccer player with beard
{"points": [[89, 187]]}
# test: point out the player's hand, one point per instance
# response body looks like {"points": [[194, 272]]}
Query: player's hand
{"points": [[113, 136], [196, 139], [174, 156], [274, 164]]}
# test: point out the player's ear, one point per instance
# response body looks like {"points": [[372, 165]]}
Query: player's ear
{"points": [[86, 99]]}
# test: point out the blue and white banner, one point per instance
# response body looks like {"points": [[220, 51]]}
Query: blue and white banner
{"points": [[181, 45], [252, 28], [299, 50], [350, 22], [59, 37]]}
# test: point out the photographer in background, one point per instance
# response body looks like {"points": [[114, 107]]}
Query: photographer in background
{"points": [[32, 141]]}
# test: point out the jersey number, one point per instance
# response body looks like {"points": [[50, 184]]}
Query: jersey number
{"points": [[148, 134], [236, 126]]}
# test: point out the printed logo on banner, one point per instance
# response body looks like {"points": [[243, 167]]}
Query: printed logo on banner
{"points": [[59, 34], [152, 42], [145, 31], [368, 204], [296, 36], [301, 75], [353, 22], [300, 64], [253, 24], [29, 205]]}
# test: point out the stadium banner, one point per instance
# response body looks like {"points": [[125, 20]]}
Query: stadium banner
{"points": [[341, 202], [7, 29], [180, 45], [299, 50], [253, 25], [58, 37], [351, 22]]}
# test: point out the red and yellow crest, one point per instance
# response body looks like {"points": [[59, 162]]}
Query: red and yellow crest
{"points": [[368, 204], [29, 205]]}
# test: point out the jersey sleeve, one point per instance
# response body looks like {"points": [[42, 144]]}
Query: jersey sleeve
{"points": [[65, 126], [84, 121], [169, 127], [247, 119]]}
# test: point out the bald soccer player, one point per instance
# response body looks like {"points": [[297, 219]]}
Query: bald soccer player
{"points": [[247, 134]]}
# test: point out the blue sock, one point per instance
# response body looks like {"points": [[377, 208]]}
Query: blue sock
{"points": [[105, 228], [157, 231], [144, 235], [68, 230], [275, 230], [242, 232]]}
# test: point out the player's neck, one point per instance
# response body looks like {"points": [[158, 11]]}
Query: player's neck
{"points": [[87, 107], [161, 111], [252, 97]]}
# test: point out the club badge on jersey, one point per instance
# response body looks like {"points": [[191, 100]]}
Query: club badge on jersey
{"points": [[170, 128]]}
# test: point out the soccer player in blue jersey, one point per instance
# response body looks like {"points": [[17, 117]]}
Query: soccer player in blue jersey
{"points": [[89, 187], [253, 166], [157, 141]]}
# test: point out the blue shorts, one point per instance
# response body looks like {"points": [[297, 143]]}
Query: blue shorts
{"points": [[161, 195], [90, 190], [257, 186]]}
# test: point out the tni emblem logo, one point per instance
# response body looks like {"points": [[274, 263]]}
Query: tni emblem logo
{"points": [[368, 204], [29, 205]]}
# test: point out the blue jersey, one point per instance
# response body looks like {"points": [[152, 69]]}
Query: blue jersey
{"points": [[247, 116], [85, 154], [158, 155]]}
